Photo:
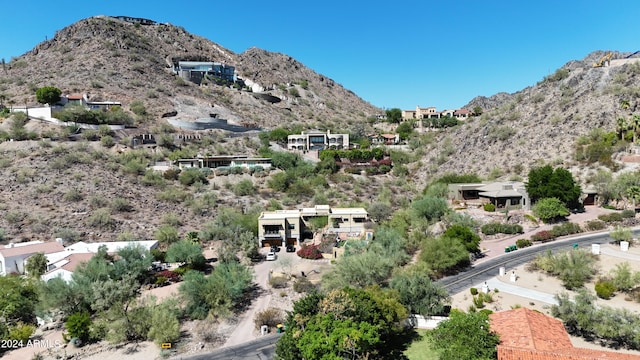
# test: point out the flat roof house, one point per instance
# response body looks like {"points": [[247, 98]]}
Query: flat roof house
{"points": [[317, 140], [286, 227], [214, 162], [504, 195]]}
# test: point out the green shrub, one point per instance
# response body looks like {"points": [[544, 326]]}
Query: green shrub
{"points": [[78, 325], [473, 291], [489, 207], [611, 217], [594, 225], [523, 243], [605, 289], [21, 332], [303, 285], [564, 229], [499, 228], [628, 214]]}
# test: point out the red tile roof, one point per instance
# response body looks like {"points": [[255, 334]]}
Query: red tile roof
{"points": [[530, 335], [45, 247]]}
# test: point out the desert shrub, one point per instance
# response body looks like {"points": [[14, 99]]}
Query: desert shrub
{"points": [[474, 291], [594, 225], [478, 302], [628, 214], [190, 176], [101, 218], [542, 236], [171, 174], [72, 195], [567, 228], [171, 219], [270, 317], [164, 326], [489, 207], [523, 243], [78, 325], [278, 282], [21, 332], [605, 289], [166, 234], [310, 252], [121, 205], [493, 228], [244, 187], [573, 268], [303, 285], [611, 217], [107, 141]]}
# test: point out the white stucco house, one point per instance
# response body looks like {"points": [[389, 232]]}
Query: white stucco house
{"points": [[13, 256], [63, 263]]}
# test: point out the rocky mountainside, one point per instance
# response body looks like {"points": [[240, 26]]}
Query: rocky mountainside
{"points": [[84, 190], [122, 61], [539, 124]]}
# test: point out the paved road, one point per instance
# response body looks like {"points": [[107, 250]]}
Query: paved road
{"points": [[262, 348], [484, 271]]}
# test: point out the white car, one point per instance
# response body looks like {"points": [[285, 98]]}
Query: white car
{"points": [[271, 256]]}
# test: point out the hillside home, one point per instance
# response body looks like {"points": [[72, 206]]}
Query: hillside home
{"points": [[504, 195], [14, 256], [531, 335], [85, 101], [348, 220], [384, 139], [64, 262], [214, 162], [317, 140], [286, 227], [432, 113], [195, 71]]}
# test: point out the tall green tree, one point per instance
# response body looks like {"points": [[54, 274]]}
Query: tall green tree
{"points": [[36, 265], [394, 115], [546, 182], [418, 293], [346, 324], [48, 95], [187, 252], [465, 336]]}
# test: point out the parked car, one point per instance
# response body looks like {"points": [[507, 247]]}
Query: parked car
{"points": [[271, 256], [291, 248], [275, 249]]}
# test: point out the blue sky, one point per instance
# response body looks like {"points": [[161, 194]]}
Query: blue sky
{"points": [[401, 53]]}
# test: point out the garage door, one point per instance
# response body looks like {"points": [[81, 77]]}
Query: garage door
{"points": [[270, 242]]}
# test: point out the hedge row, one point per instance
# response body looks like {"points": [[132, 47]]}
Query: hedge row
{"points": [[493, 228]]}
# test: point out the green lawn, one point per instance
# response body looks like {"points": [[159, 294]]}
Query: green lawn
{"points": [[421, 348]]}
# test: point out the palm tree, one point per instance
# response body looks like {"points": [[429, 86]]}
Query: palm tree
{"points": [[633, 192], [635, 122], [624, 104], [621, 123]]}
